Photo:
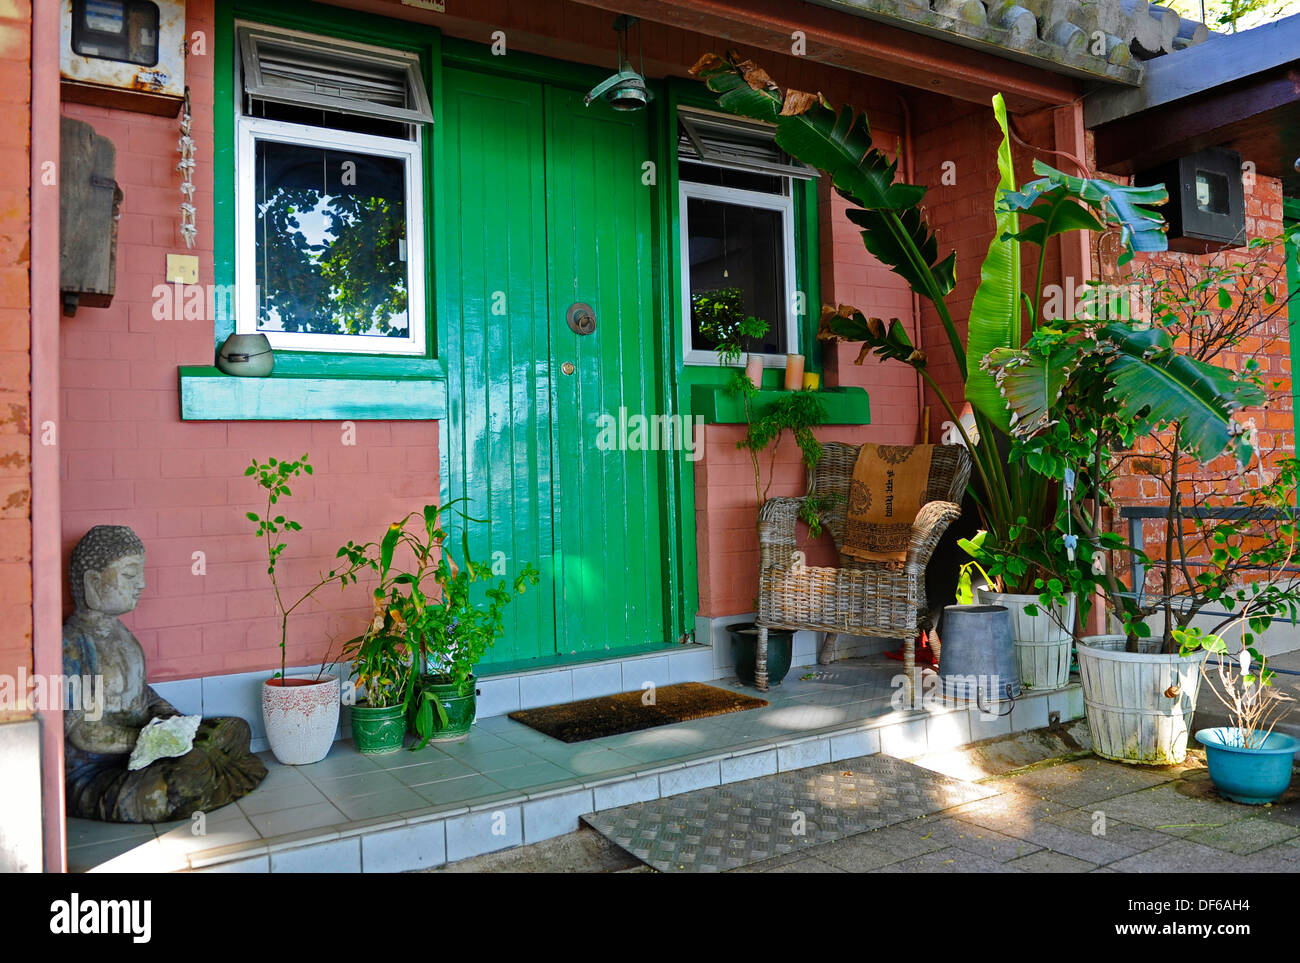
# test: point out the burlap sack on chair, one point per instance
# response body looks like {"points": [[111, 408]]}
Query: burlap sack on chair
{"points": [[888, 489]]}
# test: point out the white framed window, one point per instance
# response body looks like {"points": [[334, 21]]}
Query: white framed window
{"points": [[329, 195], [736, 204]]}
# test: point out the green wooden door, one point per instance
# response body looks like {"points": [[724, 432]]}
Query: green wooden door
{"points": [[608, 503], [544, 207]]}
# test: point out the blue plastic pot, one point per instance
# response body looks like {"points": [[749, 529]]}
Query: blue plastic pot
{"points": [[1253, 776]]}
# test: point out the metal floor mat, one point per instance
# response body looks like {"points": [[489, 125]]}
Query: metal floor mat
{"points": [[725, 827]]}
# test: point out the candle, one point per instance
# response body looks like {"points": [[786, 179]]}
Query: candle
{"points": [[793, 372], [812, 380], [754, 370]]}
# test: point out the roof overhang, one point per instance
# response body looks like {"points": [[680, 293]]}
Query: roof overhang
{"points": [[831, 36], [1239, 91]]}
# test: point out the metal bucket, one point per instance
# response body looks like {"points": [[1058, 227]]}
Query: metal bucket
{"points": [[977, 659]]}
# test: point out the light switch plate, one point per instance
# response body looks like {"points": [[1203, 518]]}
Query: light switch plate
{"points": [[182, 269]]}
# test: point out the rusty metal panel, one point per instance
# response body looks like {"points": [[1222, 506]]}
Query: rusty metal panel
{"points": [[165, 78]]}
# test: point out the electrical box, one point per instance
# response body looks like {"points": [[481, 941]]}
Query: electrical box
{"points": [[89, 205], [1207, 201], [128, 54]]}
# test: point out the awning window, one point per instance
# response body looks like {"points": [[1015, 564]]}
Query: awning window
{"points": [[311, 72], [726, 141]]}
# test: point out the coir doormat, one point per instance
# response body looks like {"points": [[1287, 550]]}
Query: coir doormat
{"points": [[629, 711]]}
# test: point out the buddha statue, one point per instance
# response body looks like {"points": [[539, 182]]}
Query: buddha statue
{"points": [[107, 575]]}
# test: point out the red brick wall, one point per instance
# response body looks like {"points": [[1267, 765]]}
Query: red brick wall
{"points": [[1269, 345], [15, 342], [128, 459]]}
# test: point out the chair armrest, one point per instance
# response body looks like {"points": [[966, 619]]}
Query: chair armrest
{"points": [[776, 532], [931, 522]]}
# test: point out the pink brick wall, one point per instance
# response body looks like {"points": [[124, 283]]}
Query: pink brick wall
{"points": [[128, 459]]}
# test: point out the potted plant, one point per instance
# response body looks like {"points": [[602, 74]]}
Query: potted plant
{"points": [[1248, 761], [1084, 401], [301, 714], [382, 664], [446, 614]]}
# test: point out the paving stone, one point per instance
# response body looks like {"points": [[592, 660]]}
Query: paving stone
{"points": [[979, 840], [1127, 838], [1245, 835], [1083, 782], [1045, 861], [950, 860], [881, 847], [724, 827], [1011, 814], [1182, 856], [809, 864], [1166, 809]]}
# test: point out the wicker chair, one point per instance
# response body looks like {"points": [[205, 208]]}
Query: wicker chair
{"points": [[859, 598]]}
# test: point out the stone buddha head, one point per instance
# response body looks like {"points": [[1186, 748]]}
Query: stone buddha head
{"points": [[107, 570]]}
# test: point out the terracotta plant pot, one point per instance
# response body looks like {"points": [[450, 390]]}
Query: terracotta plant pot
{"points": [[301, 717]]}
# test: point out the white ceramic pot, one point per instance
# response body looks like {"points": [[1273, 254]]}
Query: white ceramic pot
{"points": [[1042, 641], [1139, 704], [302, 717]]}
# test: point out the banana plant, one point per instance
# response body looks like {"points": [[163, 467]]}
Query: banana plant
{"points": [[895, 232]]}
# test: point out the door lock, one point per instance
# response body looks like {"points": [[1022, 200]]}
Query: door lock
{"points": [[568, 367], [581, 318]]}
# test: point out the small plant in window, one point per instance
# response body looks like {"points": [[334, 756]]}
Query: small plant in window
{"points": [[721, 317]]}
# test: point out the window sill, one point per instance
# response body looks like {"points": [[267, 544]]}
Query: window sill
{"points": [[210, 395], [719, 405]]}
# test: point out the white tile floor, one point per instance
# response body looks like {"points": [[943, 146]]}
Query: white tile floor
{"points": [[504, 762]]}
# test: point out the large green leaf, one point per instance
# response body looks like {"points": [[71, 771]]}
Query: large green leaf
{"points": [[1158, 386], [839, 143], [1031, 384], [1153, 384], [995, 310], [1063, 203]]}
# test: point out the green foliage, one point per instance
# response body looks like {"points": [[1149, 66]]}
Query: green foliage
{"points": [[721, 318], [812, 507], [895, 232], [1152, 383], [446, 613], [1059, 204], [840, 144], [798, 412], [273, 476], [995, 309], [353, 284]]}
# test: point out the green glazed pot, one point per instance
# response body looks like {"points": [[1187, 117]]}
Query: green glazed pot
{"points": [[376, 731], [459, 701], [744, 643]]}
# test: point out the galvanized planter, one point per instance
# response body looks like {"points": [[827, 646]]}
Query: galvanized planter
{"points": [[1042, 640], [1139, 704], [978, 661]]}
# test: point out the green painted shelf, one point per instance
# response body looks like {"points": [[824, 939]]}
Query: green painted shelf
{"points": [[721, 406], [209, 395]]}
